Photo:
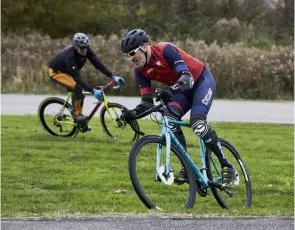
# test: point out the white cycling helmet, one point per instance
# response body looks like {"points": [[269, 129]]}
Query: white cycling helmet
{"points": [[81, 40]]}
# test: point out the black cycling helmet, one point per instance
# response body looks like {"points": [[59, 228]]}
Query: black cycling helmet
{"points": [[133, 39], [81, 40]]}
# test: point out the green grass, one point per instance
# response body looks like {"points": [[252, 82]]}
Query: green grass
{"points": [[49, 176]]}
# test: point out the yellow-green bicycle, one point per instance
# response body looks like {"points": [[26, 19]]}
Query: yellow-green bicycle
{"points": [[55, 116]]}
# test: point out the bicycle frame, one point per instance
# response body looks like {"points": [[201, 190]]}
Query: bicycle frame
{"points": [[200, 175], [104, 101], [199, 179]]}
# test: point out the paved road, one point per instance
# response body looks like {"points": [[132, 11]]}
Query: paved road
{"points": [[222, 110], [151, 223]]}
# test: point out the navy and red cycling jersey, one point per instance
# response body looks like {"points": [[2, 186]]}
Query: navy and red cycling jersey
{"points": [[165, 65]]}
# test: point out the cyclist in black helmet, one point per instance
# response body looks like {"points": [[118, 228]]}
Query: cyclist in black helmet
{"points": [[65, 68], [191, 87]]}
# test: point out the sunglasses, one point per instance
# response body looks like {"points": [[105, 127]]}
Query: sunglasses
{"points": [[133, 52], [83, 48]]}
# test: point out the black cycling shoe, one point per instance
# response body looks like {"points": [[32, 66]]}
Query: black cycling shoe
{"points": [[80, 117], [228, 177], [181, 177], [81, 121], [83, 127]]}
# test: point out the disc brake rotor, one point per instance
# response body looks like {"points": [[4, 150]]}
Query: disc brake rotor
{"points": [[166, 179]]}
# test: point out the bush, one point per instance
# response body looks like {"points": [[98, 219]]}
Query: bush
{"points": [[240, 72], [230, 31], [262, 43]]}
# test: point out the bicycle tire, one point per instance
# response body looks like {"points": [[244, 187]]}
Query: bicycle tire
{"points": [[134, 177], [218, 194], [41, 116], [123, 124]]}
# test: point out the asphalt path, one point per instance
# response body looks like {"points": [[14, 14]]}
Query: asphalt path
{"points": [[221, 110], [151, 222]]}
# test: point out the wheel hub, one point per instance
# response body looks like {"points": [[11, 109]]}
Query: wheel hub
{"points": [[166, 179]]}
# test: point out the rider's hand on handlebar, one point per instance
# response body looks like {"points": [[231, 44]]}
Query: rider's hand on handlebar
{"points": [[165, 94], [118, 79], [97, 94]]}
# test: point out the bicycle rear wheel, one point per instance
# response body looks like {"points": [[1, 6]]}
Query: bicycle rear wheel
{"points": [[241, 193], [151, 189], [115, 127], [56, 119]]}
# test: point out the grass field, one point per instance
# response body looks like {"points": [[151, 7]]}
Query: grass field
{"points": [[49, 176]]}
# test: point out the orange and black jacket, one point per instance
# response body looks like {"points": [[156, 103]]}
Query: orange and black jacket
{"points": [[71, 62]]}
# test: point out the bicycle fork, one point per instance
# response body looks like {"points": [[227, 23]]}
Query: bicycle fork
{"points": [[166, 133], [164, 173]]}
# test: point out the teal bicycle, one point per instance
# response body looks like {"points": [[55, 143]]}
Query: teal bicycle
{"points": [[154, 160]]}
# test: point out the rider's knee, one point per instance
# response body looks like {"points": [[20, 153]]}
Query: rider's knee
{"points": [[203, 130], [78, 88], [77, 91], [199, 125]]}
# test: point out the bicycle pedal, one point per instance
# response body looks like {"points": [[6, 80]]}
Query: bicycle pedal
{"points": [[180, 182], [226, 187], [84, 130], [83, 127]]}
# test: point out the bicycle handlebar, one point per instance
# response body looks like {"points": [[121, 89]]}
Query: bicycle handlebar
{"points": [[110, 83], [136, 130], [120, 83], [155, 108]]}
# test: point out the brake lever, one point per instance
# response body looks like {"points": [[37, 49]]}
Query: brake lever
{"points": [[131, 123], [135, 129], [120, 83], [117, 86]]}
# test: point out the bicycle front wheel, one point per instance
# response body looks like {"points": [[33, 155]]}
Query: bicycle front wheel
{"points": [[115, 127], [241, 193], [55, 117], [156, 190]]}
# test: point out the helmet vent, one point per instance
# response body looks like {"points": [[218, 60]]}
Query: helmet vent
{"points": [[127, 42]]}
